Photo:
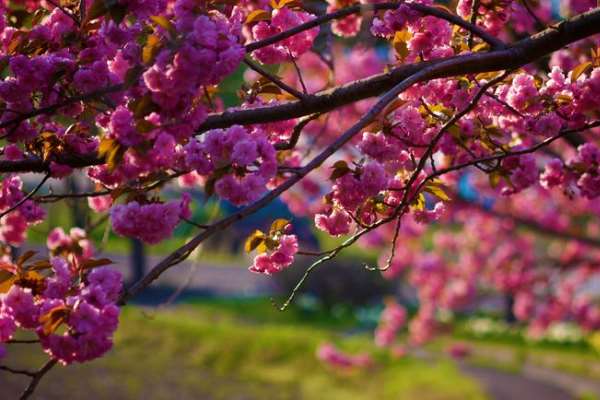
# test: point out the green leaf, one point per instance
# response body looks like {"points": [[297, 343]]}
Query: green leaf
{"points": [[256, 239], [53, 319], [258, 15], [25, 256], [278, 226], [151, 49], [117, 13], [142, 106], [340, 168], [494, 178], [580, 70], [6, 281], [400, 43], [112, 152], [163, 22], [419, 204], [93, 263], [96, 10], [437, 191], [270, 243], [39, 265], [132, 75]]}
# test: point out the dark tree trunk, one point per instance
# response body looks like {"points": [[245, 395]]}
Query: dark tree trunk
{"points": [[138, 260], [509, 302], [77, 212]]}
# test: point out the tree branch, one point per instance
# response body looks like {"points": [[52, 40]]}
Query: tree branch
{"points": [[515, 56], [16, 371], [25, 198], [183, 252], [278, 82], [363, 8], [36, 378]]}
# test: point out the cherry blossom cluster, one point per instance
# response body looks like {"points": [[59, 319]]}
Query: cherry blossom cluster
{"points": [[241, 161], [430, 37], [331, 355], [351, 192], [282, 19], [72, 311], [13, 226], [393, 318], [151, 221], [75, 246], [282, 257], [276, 250]]}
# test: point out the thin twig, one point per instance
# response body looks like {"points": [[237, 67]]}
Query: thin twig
{"points": [[278, 82], [16, 371], [363, 8], [27, 197], [298, 73], [473, 21], [35, 380], [538, 22], [23, 341], [295, 136]]}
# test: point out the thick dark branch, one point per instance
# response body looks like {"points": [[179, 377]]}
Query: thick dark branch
{"points": [[515, 56], [22, 341], [36, 164], [183, 252], [518, 55], [57, 106], [364, 8]]}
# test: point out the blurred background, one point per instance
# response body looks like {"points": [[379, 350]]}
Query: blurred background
{"points": [[210, 329]]}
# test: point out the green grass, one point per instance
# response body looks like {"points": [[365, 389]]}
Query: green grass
{"points": [[515, 355], [224, 351], [103, 237]]}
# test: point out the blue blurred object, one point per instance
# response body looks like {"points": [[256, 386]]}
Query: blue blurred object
{"points": [[465, 189], [263, 218], [468, 192]]}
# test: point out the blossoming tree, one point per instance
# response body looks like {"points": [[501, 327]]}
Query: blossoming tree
{"points": [[474, 122]]}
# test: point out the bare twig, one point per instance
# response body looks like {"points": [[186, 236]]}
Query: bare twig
{"points": [[296, 133], [183, 252], [278, 82], [539, 24], [27, 197], [37, 377], [16, 371], [364, 8]]}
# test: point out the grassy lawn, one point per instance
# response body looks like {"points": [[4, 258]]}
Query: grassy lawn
{"points": [[514, 356], [228, 350]]}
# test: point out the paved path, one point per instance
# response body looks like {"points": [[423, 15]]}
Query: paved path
{"points": [[216, 279], [197, 277], [507, 386]]}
